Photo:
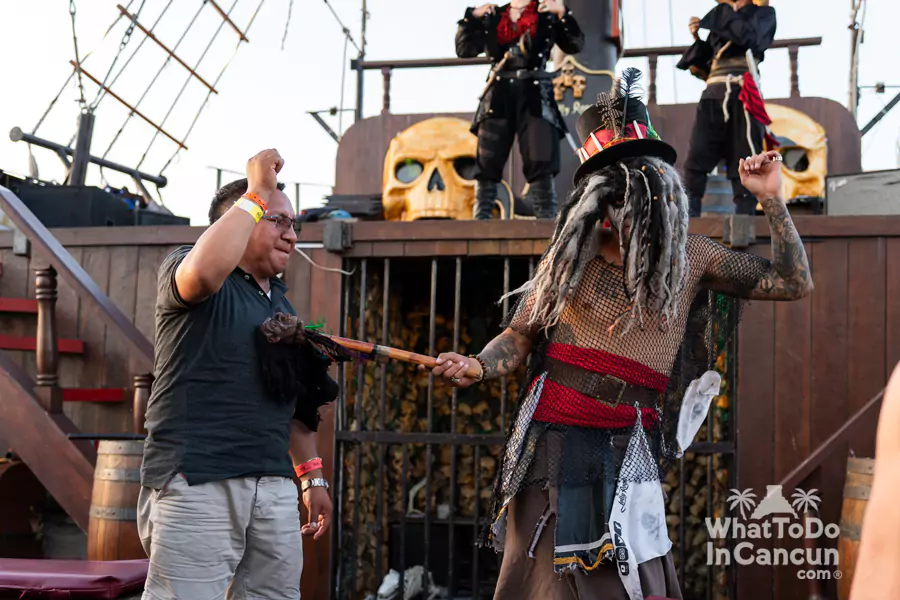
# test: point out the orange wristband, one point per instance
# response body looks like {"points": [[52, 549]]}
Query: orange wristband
{"points": [[308, 466], [255, 199]]}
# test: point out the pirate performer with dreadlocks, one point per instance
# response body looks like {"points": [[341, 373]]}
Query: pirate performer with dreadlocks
{"points": [[518, 101], [623, 326], [731, 119]]}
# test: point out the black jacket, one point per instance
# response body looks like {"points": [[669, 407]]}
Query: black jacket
{"points": [[475, 36], [751, 28]]}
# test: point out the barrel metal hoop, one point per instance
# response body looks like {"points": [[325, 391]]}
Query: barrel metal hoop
{"points": [[131, 475], [114, 513], [857, 492], [865, 466], [128, 448], [851, 530]]}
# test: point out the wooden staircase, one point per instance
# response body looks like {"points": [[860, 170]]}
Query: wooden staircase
{"points": [[32, 421]]}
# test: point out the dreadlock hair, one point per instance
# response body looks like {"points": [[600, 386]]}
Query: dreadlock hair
{"points": [[647, 194], [296, 374]]}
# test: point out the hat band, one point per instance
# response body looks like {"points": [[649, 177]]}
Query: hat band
{"points": [[600, 139]]}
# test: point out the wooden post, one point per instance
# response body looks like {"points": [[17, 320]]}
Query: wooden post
{"points": [[794, 52], [386, 101], [651, 89], [47, 358], [142, 385]]}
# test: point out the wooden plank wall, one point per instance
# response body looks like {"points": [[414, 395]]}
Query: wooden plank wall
{"points": [[805, 368], [127, 274]]}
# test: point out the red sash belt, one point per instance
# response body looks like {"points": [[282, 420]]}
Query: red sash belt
{"points": [[564, 406]]}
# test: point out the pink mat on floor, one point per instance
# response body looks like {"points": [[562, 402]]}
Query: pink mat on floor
{"points": [[52, 579]]}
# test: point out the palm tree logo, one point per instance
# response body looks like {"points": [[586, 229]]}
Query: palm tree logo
{"points": [[742, 500], [803, 501]]}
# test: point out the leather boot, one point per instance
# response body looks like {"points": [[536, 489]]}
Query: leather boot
{"points": [[485, 196], [542, 194]]}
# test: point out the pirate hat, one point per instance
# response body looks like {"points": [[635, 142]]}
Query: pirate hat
{"points": [[616, 127]]}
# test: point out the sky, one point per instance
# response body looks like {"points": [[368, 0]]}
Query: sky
{"points": [[267, 90]]}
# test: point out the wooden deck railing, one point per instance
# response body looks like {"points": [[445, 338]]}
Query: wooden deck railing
{"points": [[31, 415], [652, 54]]}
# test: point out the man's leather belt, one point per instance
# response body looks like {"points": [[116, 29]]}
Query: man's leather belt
{"points": [[525, 74]]}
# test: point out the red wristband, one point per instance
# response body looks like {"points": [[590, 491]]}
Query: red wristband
{"points": [[308, 466]]}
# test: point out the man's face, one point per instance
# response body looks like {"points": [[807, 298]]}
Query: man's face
{"points": [[271, 246], [742, 3]]}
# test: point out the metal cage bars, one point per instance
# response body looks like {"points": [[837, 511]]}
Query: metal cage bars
{"points": [[352, 439]]}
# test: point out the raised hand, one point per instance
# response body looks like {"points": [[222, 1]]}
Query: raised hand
{"points": [[761, 174], [695, 27], [262, 171]]}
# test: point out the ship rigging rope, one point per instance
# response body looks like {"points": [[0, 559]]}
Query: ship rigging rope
{"points": [[155, 77], [77, 57], [184, 87], [125, 39], [208, 93], [343, 79], [343, 27], [287, 23], [72, 74], [140, 44]]}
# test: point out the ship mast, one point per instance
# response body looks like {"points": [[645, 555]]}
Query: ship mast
{"points": [[856, 39]]}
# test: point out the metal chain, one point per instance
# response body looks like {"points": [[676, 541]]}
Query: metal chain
{"points": [[82, 101], [125, 39]]}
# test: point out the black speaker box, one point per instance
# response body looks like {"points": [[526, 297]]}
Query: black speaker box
{"points": [[149, 217], [76, 206]]}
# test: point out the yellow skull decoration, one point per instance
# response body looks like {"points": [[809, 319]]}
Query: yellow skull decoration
{"points": [[429, 172], [805, 152]]}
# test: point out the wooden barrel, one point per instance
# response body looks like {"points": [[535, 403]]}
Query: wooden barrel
{"points": [[112, 530], [856, 496], [719, 197]]}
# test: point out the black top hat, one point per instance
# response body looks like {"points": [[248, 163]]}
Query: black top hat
{"points": [[616, 127]]}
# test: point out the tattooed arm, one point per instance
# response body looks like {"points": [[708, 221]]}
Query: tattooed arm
{"points": [[787, 275], [788, 278], [500, 357]]}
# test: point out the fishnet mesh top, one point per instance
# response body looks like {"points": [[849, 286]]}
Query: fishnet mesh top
{"points": [[589, 382]]}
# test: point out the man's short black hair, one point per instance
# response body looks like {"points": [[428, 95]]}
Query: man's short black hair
{"points": [[227, 195]]}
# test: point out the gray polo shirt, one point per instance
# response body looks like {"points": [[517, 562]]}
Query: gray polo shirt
{"points": [[209, 416]]}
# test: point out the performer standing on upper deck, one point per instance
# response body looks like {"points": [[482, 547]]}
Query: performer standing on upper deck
{"points": [[731, 119], [518, 38]]}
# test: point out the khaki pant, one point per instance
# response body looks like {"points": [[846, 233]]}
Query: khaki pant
{"points": [[237, 539]]}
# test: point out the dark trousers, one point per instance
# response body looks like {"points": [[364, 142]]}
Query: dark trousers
{"points": [[714, 140], [538, 143]]}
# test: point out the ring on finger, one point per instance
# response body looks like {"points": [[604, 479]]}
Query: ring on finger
{"points": [[455, 379]]}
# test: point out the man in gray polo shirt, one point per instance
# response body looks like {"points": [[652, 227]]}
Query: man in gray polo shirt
{"points": [[218, 512]]}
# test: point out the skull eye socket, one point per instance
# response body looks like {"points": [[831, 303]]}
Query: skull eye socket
{"points": [[465, 167], [409, 170], [796, 159]]}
